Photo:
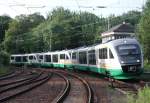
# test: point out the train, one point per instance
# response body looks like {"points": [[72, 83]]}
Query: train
{"points": [[120, 59]]}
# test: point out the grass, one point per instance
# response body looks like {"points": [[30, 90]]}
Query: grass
{"points": [[3, 70], [142, 97]]}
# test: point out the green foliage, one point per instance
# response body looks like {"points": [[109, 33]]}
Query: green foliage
{"points": [[65, 30], [4, 70], [4, 21], [146, 66], [4, 58], [62, 29], [131, 17], [142, 97], [144, 31], [19, 31]]}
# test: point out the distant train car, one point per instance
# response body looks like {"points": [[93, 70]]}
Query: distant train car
{"points": [[24, 59], [45, 59], [120, 58], [16, 60]]}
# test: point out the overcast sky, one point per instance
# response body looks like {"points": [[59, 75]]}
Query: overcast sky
{"points": [[117, 7]]}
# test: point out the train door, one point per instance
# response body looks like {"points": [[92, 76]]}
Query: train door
{"points": [[103, 60], [92, 60], [111, 57], [62, 60], [41, 58]]}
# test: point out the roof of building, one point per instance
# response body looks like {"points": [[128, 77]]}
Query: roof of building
{"points": [[124, 27]]}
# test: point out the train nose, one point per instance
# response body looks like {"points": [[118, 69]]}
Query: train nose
{"points": [[131, 68]]}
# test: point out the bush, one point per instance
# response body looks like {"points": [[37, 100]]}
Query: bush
{"points": [[4, 70], [142, 97], [146, 66], [4, 58]]}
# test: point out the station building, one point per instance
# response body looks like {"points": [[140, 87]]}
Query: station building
{"points": [[124, 30]]}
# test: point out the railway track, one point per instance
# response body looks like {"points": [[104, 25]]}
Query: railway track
{"points": [[15, 88], [99, 85], [45, 93], [10, 72], [21, 78], [64, 92], [77, 89], [64, 86], [16, 84], [10, 75]]}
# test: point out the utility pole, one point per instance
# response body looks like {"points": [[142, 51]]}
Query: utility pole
{"points": [[108, 26], [50, 45]]}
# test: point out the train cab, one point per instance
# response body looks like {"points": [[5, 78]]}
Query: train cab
{"points": [[129, 57]]}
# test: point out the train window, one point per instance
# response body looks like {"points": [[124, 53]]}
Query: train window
{"points": [[55, 58], [74, 56], [70, 54], [67, 57], [128, 49], [83, 57], [62, 56], [30, 57], [41, 57], [103, 53], [34, 57], [24, 58], [48, 58], [18, 59], [91, 57], [110, 54], [100, 53], [12, 58]]}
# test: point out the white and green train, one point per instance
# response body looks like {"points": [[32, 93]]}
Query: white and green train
{"points": [[120, 58]]}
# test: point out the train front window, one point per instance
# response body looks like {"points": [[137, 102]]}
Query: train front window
{"points": [[128, 49], [129, 53]]}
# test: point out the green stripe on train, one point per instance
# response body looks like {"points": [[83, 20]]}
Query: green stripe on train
{"points": [[115, 73]]}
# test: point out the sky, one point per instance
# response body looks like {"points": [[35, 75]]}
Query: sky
{"points": [[117, 7]]}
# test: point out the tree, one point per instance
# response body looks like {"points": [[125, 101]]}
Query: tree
{"points": [[19, 29], [4, 22], [144, 31]]}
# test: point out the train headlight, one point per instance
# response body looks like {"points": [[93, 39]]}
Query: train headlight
{"points": [[138, 60], [122, 61]]}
